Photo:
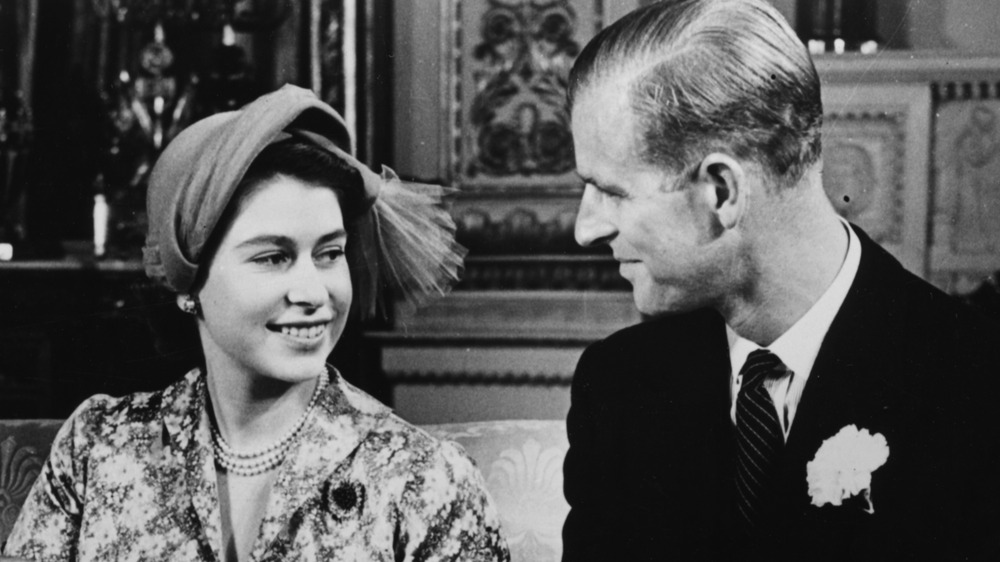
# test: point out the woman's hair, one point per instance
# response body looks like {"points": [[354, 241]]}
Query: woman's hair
{"points": [[300, 159], [705, 75]]}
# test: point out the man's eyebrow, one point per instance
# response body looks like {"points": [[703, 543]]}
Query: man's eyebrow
{"points": [[609, 187]]}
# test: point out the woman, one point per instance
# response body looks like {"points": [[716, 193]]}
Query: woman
{"points": [[259, 220]]}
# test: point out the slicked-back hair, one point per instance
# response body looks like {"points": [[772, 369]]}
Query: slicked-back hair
{"points": [[708, 75]]}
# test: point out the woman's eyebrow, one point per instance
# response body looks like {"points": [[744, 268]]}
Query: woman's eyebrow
{"points": [[266, 240], [336, 234], [285, 241]]}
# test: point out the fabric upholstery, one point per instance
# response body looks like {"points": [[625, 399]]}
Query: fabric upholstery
{"points": [[521, 461], [24, 446]]}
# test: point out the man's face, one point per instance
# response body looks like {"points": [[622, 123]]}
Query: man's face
{"points": [[658, 224]]}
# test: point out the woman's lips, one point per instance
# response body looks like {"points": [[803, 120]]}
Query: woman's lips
{"points": [[309, 333], [301, 332]]}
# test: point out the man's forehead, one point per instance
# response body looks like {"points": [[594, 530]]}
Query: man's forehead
{"points": [[607, 97], [604, 131]]}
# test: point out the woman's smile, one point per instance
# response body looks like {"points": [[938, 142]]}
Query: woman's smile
{"points": [[280, 267], [309, 334]]}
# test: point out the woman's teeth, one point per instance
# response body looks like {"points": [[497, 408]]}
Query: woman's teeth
{"points": [[311, 332]]}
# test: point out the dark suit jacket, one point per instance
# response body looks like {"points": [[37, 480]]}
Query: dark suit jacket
{"points": [[649, 473]]}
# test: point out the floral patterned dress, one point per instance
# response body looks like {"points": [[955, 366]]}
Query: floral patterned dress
{"points": [[133, 478]]}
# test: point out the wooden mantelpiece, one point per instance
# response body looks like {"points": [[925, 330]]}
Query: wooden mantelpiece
{"points": [[927, 67]]}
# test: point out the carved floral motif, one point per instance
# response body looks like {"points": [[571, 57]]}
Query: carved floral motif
{"points": [[518, 115]]}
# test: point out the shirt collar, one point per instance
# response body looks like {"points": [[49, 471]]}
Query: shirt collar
{"points": [[798, 347]]}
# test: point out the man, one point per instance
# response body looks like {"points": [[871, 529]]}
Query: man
{"points": [[799, 395]]}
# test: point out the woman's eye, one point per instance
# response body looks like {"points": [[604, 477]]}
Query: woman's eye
{"points": [[330, 255], [270, 259]]}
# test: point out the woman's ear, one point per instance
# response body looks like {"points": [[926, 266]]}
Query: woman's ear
{"points": [[726, 182]]}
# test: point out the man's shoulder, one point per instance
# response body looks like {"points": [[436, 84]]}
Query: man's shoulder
{"points": [[914, 323], [888, 293], [667, 332], [644, 351]]}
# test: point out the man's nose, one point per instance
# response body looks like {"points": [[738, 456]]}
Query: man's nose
{"points": [[592, 224]]}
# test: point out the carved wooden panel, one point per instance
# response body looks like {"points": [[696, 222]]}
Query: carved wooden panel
{"points": [[966, 212], [875, 149], [509, 77]]}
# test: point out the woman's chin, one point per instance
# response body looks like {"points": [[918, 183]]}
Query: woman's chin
{"points": [[302, 369]]}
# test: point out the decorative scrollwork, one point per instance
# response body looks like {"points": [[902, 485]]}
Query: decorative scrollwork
{"points": [[518, 113]]}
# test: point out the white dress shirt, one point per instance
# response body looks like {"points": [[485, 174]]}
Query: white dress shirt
{"points": [[797, 348]]}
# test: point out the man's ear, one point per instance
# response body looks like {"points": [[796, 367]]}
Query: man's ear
{"points": [[726, 187]]}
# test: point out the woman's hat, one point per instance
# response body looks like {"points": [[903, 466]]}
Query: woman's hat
{"points": [[407, 236]]}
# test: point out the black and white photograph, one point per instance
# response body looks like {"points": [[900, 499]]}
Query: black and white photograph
{"points": [[499, 280]]}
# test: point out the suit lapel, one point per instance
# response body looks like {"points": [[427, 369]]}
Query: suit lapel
{"points": [[847, 384], [691, 443]]}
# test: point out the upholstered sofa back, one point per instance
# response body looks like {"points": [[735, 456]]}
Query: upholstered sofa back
{"points": [[521, 462]]}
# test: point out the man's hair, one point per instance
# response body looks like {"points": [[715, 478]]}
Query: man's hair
{"points": [[707, 75]]}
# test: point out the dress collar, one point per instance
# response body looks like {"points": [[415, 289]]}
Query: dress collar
{"points": [[344, 417]]}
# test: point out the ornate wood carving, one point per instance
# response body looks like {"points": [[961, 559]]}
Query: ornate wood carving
{"points": [[966, 212], [508, 84], [876, 140], [863, 157]]}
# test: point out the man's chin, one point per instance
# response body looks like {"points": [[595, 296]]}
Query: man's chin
{"points": [[648, 305], [655, 303]]}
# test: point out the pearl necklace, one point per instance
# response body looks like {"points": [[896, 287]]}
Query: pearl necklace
{"points": [[260, 461]]}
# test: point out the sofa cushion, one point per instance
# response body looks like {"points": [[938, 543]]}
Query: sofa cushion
{"points": [[24, 446], [522, 464]]}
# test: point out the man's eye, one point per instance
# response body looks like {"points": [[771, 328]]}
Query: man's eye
{"points": [[609, 193], [271, 259]]}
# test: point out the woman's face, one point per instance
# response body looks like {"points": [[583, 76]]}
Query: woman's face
{"points": [[278, 290]]}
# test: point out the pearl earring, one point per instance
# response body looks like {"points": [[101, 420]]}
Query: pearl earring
{"points": [[188, 304]]}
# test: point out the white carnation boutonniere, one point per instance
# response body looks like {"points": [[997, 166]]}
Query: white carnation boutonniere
{"points": [[843, 466]]}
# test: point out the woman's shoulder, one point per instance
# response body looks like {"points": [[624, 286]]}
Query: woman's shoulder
{"points": [[410, 451], [102, 413]]}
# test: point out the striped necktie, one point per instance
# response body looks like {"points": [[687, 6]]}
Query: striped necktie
{"points": [[759, 439]]}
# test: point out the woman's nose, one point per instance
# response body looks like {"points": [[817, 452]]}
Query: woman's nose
{"points": [[308, 287], [592, 223]]}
